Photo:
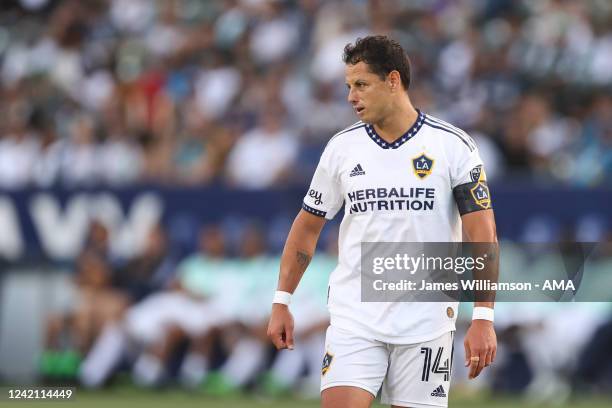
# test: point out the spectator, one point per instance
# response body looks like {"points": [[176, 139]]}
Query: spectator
{"points": [[96, 304], [263, 156]]}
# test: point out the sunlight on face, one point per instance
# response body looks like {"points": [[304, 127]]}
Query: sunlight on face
{"points": [[368, 94]]}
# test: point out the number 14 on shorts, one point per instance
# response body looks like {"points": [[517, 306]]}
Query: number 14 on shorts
{"points": [[436, 367]]}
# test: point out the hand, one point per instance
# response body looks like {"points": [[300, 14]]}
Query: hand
{"points": [[280, 327], [480, 346]]}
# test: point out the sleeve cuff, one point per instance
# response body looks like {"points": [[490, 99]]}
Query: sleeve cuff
{"points": [[313, 211]]}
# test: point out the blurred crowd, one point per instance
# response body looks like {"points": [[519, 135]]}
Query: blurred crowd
{"points": [[197, 318], [246, 93]]}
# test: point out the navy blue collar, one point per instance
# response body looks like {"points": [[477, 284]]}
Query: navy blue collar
{"points": [[400, 140]]}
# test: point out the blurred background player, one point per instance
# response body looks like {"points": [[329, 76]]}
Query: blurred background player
{"points": [[94, 303], [153, 327]]}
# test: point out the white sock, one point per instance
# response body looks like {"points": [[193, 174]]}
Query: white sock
{"points": [[288, 365], [103, 357], [244, 361], [148, 370], [193, 370], [314, 348]]}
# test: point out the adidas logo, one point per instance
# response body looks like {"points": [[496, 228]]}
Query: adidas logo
{"points": [[357, 171], [438, 392]]}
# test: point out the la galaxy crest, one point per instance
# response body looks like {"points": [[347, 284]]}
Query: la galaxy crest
{"points": [[480, 193], [422, 165], [327, 360]]}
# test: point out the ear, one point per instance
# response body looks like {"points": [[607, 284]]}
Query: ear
{"points": [[395, 81]]}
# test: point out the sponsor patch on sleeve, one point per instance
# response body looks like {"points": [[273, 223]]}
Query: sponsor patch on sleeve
{"points": [[478, 174]]}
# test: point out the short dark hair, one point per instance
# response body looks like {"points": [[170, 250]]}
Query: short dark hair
{"points": [[381, 54]]}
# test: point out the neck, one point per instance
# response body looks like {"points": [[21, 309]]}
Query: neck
{"points": [[403, 115]]}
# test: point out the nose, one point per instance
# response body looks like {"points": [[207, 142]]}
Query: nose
{"points": [[352, 97]]}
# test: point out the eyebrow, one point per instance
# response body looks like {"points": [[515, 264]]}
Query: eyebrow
{"points": [[357, 82]]}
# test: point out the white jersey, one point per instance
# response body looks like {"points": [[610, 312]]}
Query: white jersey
{"points": [[392, 192]]}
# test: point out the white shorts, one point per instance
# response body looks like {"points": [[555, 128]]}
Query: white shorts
{"points": [[412, 375]]}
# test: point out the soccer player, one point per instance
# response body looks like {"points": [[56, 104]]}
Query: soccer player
{"points": [[404, 176]]}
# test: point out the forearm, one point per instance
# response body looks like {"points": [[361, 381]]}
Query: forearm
{"points": [[299, 250], [489, 251], [479, 229]]}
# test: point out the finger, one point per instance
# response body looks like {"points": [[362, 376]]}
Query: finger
{"points": [[474, 360], [493, 354], [467, 353], [277, 340], [289, 337], [480, 364], [488, 358]]}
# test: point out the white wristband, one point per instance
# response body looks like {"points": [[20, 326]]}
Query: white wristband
{"points": [[282, 297], [483, 313]]}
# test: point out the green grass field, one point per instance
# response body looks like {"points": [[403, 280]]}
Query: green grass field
{"points": [[134, 398]]}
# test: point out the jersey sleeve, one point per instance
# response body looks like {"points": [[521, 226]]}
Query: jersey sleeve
{"points": [[324, 196], [469, 168], [469, 181]]}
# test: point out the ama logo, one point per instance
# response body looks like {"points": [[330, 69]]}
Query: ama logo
{"points": [[422, 165]]}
